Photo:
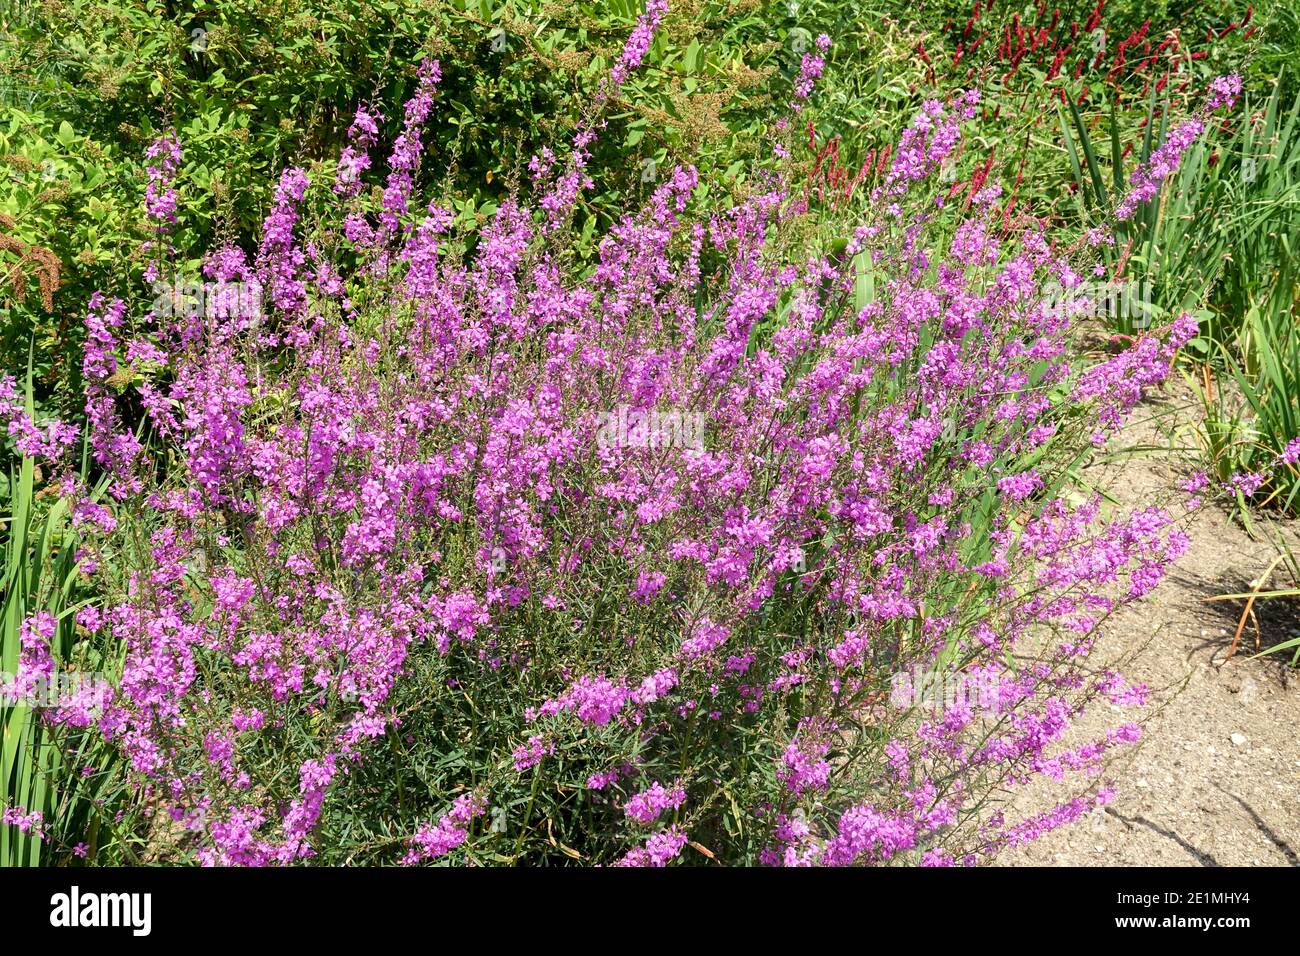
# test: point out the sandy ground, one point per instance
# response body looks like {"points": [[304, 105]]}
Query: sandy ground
{"points": [[1216, 779]]}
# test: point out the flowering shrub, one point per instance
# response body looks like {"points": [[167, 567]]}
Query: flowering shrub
{"points": [[387, 589]]}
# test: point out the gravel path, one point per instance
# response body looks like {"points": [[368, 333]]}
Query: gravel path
{"points": [[1216, 780]]}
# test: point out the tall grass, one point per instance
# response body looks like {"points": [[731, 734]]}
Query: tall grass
{"points": [[1165, 246], [1225, 232], [41, 769], [22, 751], [1255, 408]]}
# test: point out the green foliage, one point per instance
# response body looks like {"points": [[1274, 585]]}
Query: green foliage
{"points": [[252, 87]]}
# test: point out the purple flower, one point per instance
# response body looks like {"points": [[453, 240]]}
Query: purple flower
{"points": [[657, 851], [645, 806], [451, 830]]}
